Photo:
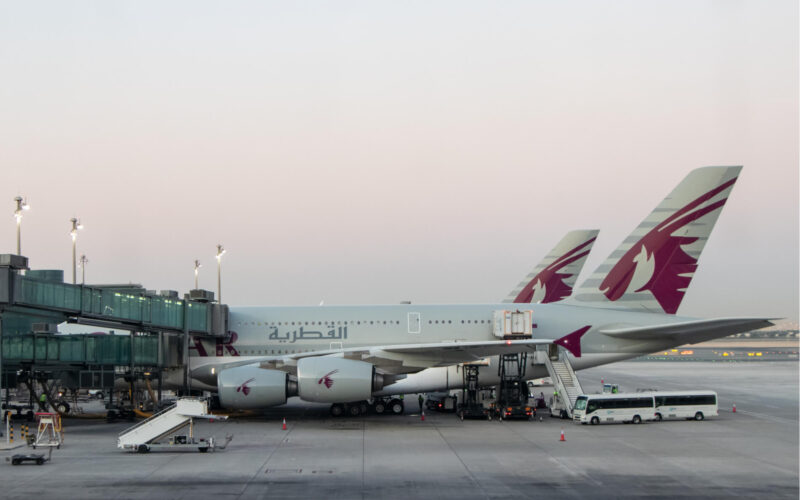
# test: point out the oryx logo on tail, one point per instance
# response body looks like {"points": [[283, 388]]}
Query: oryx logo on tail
{"points": [[657, 262], [553, 278], [549, 284]]}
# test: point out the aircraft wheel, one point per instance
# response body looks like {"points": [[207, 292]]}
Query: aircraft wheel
{"points": [[380, 408], [354, 410], [62, 407], [396, 407], [362, 407], [637, 419], [337, 410], [595, 421], [699, 416]]}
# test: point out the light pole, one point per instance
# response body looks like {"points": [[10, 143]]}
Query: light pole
{"points": [[83, 263], [76, 224], [197, 267], [220, 252], [21, 206]]}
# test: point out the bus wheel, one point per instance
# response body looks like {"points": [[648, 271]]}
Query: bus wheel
{"points": [[595, 420], [637, 419], [659, 418], [698, 415]]}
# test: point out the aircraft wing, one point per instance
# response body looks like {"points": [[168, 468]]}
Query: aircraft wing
{"points": [[689, 332], [410, 358], [402, 358]]}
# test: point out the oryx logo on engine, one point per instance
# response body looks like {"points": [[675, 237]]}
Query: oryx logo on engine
{"points": [[243, 388], [326, 379]]}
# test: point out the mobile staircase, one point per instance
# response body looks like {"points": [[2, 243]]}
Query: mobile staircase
{"points": [[148, 433], [565, 382]]}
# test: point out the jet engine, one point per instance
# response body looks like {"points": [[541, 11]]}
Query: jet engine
{"points": [[250, 387], [336, 380]]}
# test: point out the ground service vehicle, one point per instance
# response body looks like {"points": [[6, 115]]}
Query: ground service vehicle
{"points": [[601, 408], [688, 404]]}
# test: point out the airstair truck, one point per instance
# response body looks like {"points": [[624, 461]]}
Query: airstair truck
{"points": [[154, 432]]}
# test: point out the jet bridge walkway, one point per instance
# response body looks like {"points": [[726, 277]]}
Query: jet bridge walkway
{"points": [[42, 296]]}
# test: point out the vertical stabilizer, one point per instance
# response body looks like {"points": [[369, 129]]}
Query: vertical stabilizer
{"points": [[552, 280], [653, 267]]}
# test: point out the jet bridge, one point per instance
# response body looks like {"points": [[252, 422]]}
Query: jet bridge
{"points": [[160, 325]]}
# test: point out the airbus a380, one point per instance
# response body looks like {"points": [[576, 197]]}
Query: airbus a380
{"points": [[626, 308]]}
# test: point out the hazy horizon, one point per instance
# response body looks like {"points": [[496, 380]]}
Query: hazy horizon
{"points": [[366, 152]]}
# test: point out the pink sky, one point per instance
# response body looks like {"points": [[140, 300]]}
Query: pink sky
{"points": [[366, 152]]}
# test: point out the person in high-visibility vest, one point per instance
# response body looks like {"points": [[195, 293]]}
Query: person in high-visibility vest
{"points": [[43, 402]]}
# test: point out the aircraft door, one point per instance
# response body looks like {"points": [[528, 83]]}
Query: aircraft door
{"points": [[414, 323]]}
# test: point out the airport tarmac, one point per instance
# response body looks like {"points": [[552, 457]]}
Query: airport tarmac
{"points": [[751, 453]]}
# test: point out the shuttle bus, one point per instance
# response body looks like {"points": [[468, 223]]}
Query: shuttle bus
{"points": [[602, 408], [687, 404]]}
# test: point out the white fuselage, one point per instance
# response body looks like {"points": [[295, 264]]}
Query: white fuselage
{"points": [[259, 332]]}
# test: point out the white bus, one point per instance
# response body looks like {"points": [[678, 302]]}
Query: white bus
{"points": [[688, 404], [601, 408]]}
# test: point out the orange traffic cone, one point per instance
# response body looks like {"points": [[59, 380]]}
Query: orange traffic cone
{"points": [[422, 416], [562, 436], [284, 423], [734, 407]]}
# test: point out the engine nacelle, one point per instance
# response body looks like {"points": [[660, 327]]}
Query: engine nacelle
{"points": [[336, 380], [250, 387]]}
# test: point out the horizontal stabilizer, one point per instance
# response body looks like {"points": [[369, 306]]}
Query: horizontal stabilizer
{"points": [[689, 331]]}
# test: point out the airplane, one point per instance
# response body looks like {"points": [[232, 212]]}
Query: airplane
{"points": [[550, 281], [627, 308]]}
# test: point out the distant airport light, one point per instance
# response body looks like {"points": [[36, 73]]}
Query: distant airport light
{"points": [[22, 205], [197, 266], [82, 265], [220, 253], [76, 225]]}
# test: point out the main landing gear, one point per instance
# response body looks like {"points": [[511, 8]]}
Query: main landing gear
{"points": [[378, 406]]}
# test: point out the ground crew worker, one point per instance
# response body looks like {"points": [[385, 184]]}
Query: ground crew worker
{"points": [[421, 400], [43, 402]]}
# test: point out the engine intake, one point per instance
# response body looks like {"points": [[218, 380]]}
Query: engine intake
{"points": [[336, 380], [251, 387]]}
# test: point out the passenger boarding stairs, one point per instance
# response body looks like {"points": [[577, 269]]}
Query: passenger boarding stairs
{"points": [[164, 422], [564, 381]]}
